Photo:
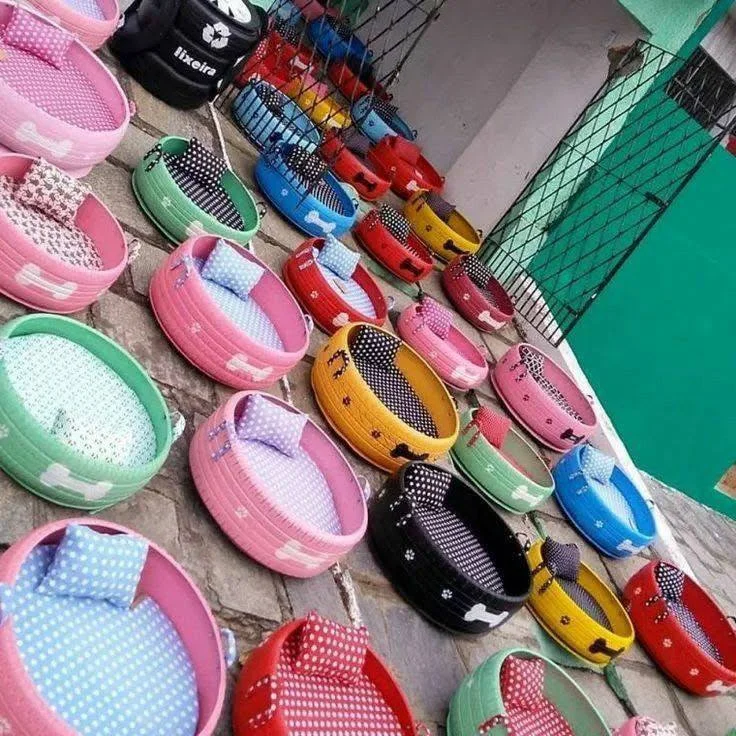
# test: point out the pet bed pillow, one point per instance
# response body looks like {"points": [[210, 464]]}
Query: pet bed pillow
{"points": [[226, 268], [436, 317], [27, 32], [563, 560], [329, 649], [441, 207], [596, 465], [522, 683], [267, 422], [202, 165], [88, 564], [493, 426], [394, 222], [376, 348], [338, 258]]}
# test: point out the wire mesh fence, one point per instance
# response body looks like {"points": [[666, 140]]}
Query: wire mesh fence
{"points": [[631, 151]]}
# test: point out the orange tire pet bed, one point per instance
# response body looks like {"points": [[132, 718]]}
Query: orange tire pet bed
{"points": [[382, 398]]}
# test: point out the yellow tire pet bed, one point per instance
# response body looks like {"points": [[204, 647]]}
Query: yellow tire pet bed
{"points": [[574, 606], [382, 398]]}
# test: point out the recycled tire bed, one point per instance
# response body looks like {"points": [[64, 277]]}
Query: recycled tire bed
{"points": [[480, 704], [267, 116], [355, 78], [244, 344], [91, 21], [476, 294], [335, 41], [382, 398], [248, 487], [401, 162], [332, 301], [84, 425], [683, 629], [273, 699], [73, 116], [317, 101], [317, 208], [602, 502], [377, 118], [455, 359], [410, 261], [47, 265], [513, 476], [544, 398], [276, 61], [181, 207], [447, 551], [584, 615], [157, 667]]}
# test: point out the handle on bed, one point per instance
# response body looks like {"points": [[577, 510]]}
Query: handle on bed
{"points": [[178, 424], [229, 429], [732, 618], [310, 323], [527, 543], [264, 716], [422, 729], [188, 266], [261, 209], [365, 486], [390, 302], [229, 646], [134, 250]]}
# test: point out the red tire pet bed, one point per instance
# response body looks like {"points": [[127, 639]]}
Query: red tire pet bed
{"points": [[334, 294], [277, 61], [387, 236], [60, 247], [355, 78], [245, 460], [546, 401], [476, 294], [59, 100], [286, 688], [346, 151], [124, 644], [401, 162], [683, 629], [91, 21], [427, 327], [227, 313]]}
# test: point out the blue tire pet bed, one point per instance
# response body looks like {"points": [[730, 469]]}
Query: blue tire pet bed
{"points": [[335, 40], [376, 118], [603, 503]]}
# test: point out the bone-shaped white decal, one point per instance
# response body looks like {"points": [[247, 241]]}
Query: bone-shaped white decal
{"points": [[28, 133], [464, 373], [628, 546], [58, 476], [485, 316], [412, 186], [480, 613], [341, 319], [292, 550], [312, 218], [718, 686], [239, 364], [521, 493], [196, 228], [32, 275]]}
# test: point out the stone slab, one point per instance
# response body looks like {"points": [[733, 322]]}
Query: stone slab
{"points": [[143, 268]]}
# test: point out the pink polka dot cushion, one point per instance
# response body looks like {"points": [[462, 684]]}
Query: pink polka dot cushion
{"points": [[329, 649], [522, 684], [29, 33], [272, 424], [436, 317]]}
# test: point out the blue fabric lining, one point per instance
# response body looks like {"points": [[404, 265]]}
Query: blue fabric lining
{"points": [[351, 291]]}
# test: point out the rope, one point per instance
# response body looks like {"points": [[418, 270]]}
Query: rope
{"points": [[220, 136]]}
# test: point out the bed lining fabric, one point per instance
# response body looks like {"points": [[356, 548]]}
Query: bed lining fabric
{"points": [[90, 8], [351, 292], [103, 669]]}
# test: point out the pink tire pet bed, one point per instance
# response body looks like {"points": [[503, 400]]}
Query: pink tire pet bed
{"points": [[91, 21], [546, 401], [427, 327], [643, 726], [59, 100], [244, 340], [277, 485], [52, 259], [134, 652], [476, 294]]}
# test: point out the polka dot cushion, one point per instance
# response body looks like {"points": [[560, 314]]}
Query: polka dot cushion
{"points": [[597, 465], [356, 142], [103, 567], [522, 683], [338, 257], [436, 317], [563, 560], [671, 581], [28, 32], [394, 222], [202, 164], [329, 649], [229, 269], [106, 671], [441, 207], [493, 426], [271, 424]]}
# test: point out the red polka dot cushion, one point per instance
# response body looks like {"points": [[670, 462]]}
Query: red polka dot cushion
{"points": [[493, 426], [329, 649]]}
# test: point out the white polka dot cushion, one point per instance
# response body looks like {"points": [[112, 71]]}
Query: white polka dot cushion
{"points": [[436, 317], [597, 465], [28, 32], [271, 424], [98, 566], [522, 683], [202, 164], [229, 269], [329, 649], [338, 258]]}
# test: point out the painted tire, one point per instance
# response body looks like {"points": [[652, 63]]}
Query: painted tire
{"points": [[276, 61], [315, 99], [331, 45], [402, 164], [372, 125], [350, 84], [92, 32], [494, 475], [38, 461]]}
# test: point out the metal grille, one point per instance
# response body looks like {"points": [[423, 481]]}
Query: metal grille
{"points": [[628, 155]]}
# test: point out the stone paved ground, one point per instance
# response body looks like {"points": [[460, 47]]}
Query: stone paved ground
{"points": [[254, 601]]}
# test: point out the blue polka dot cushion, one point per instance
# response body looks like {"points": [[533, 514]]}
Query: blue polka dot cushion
{"points": [[229, 269], [104, 670], [596, 464], [104, 567], [271, 424], [338, 258]]}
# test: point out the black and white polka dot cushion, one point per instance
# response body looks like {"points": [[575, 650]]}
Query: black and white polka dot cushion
{"points": [[310, 169], [356, 142], [201, 164], [272, 99], [441, 207], [385, 110], [671, 581], [394, 222]]}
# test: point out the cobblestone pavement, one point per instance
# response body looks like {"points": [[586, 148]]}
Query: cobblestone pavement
{"points": [[254, 601]]}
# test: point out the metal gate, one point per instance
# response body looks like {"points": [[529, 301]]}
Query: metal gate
{"points": [[624, 160]]}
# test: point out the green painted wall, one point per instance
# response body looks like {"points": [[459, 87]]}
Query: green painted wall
{"points": [[658, 344]]}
